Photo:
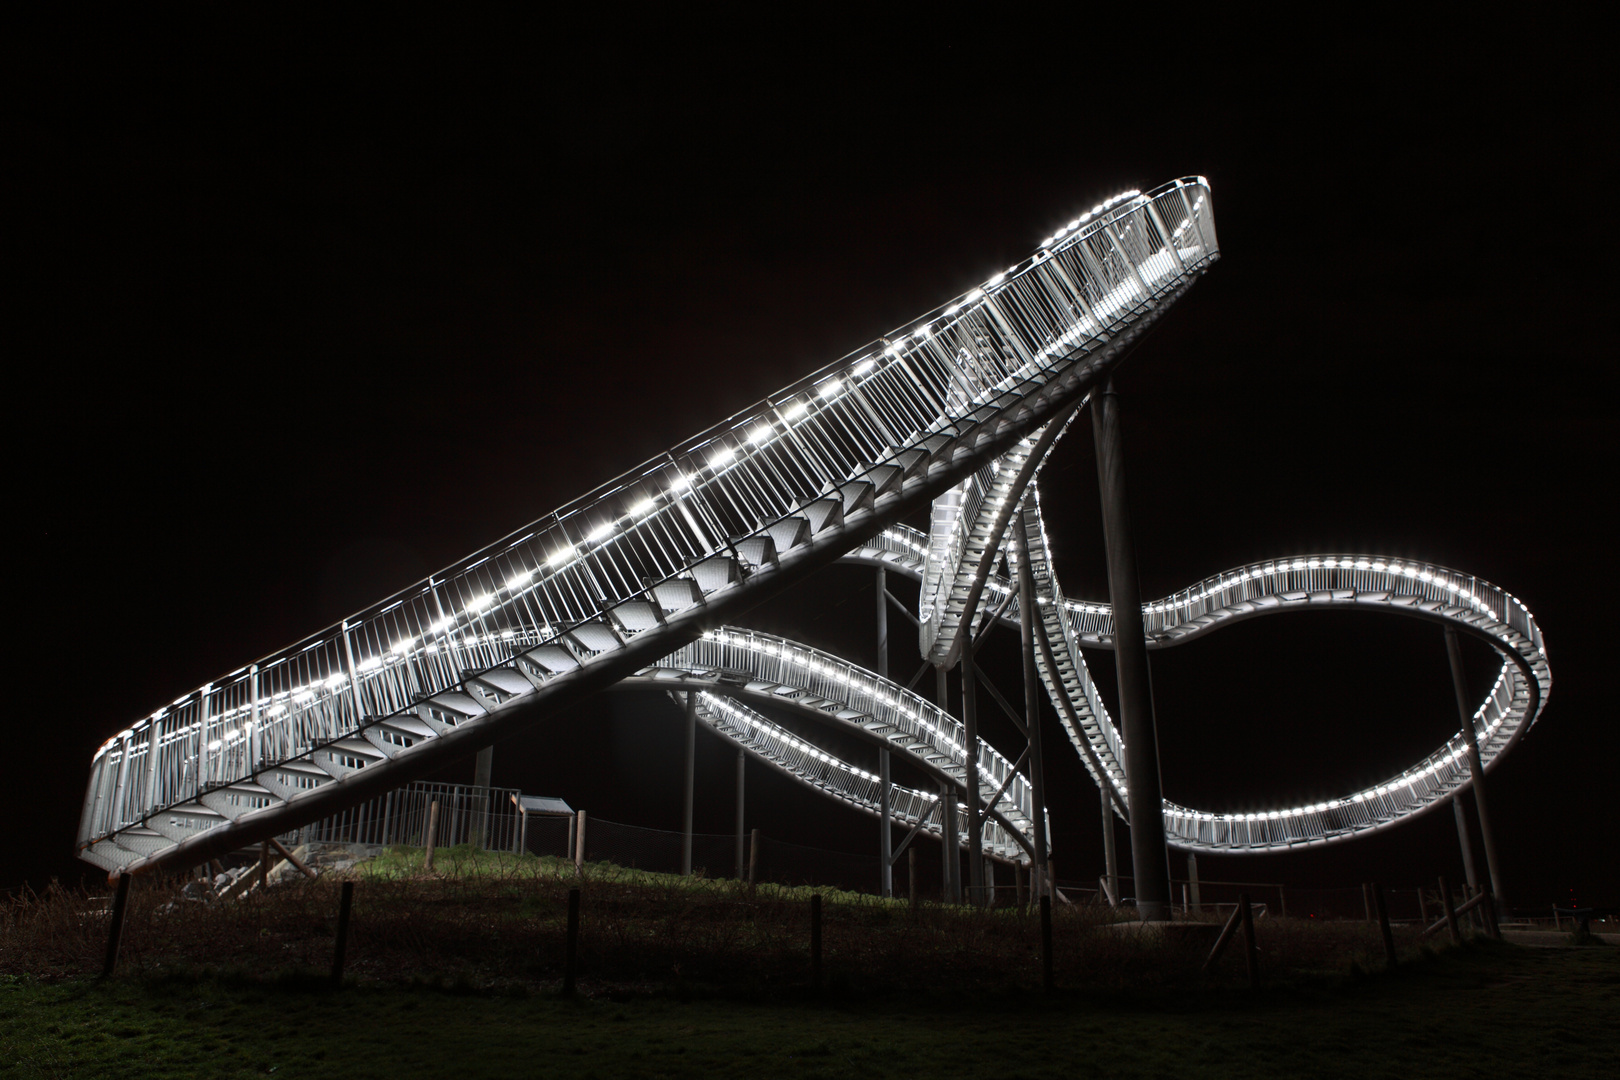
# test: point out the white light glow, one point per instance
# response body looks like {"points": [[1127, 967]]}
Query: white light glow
{"points": [[561, 555], [601, 532], [721, 457], [642, 508]]}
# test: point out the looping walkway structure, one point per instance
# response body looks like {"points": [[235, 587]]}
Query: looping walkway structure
{"points": [[633, 584]]}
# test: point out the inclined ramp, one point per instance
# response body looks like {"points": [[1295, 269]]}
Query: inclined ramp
{"points": [[641, 567]]}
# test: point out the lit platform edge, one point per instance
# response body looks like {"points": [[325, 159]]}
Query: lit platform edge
{"points": [[595, 586]]}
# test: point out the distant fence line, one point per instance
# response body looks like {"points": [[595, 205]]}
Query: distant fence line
{"points": [[489, 818]]}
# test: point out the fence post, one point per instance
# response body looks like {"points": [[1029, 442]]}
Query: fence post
{"points": [[1366, 902], [911, 875], [1282, 901], [1046, 942], [432, 833], [1451, 912], [579, 846], [342, 943], [115, 929], [1383, 924], [1251, 954], [264, 865], [815, 940], [753, 855], [571, 945]]}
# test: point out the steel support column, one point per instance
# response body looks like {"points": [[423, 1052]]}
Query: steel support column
{"points": [[483, 765], [970, 737], [687, 773], [950, 858], [950, 844], [885, 794], [1110, 852], [740, 756], [1467, 845], [1476, 767], [1150, 866], [1039, 886]]}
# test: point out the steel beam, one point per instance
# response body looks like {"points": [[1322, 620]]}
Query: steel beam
{"points": [[1476, 767], [1150, 865]]}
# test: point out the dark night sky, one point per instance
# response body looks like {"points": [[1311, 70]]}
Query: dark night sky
{"points": [[305, 312]]}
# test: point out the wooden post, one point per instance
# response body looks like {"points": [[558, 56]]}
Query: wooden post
{"points": [[753, 855], [342, 943], [1282, 901], [264, 865], [115, 929], [295, 860], [579, 846], [1046, 943], [571, 945], [815, 940], [1423, 908], [432, 833], [1366, 902], [1383, 925], [1250, 953], [1451, 913], [911, 875], [1018, 884]]}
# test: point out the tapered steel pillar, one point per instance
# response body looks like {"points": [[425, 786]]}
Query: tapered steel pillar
{"points": [[1039, 884], [686, 811], [885, 840], [483, 766], [740, 763], [1150, 865], [970, 738], [1476, 767], [1467, 845], [1110, 852], [950, 851]]}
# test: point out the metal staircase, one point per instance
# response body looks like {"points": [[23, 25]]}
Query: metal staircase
{"points": [[645, 564]]}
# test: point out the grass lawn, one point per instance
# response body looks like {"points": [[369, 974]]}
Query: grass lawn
{"points": [[1487, 1010]]}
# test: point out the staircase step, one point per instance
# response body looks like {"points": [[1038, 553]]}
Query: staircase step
{"points": [[716, 572], [588, 639], [885, 478], [858, 495], [677, 594], [498, 686], [789, 533], [634, 616], [757, 551], [825, 514]]}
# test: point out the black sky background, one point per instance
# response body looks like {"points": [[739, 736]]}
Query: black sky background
{"points": [[303, 312]]}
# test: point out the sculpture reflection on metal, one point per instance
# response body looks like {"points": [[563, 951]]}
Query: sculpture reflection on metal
{"points": [[635, 581]]}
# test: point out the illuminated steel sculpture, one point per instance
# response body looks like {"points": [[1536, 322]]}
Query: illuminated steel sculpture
{"points": [[632, 585]]}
